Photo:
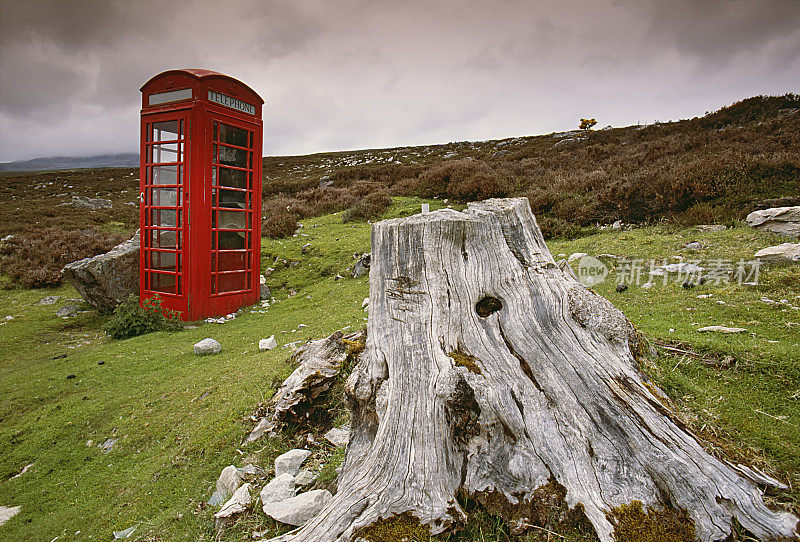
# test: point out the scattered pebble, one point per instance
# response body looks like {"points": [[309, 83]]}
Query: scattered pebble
{"points": [[722, 329]]}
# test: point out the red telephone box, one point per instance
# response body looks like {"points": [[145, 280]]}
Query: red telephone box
{"points": [[200, 192]]}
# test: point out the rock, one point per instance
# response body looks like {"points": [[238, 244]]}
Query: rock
{"points": [[782, 220], [278, 489], [712, 227], [121, 535], [576, 256], [785, 201], [8, 512], [106, 280], [49, 300], [621, 287], [93, 204], [568, 142], [290, 461], [108, 445], [67, 310], [298, 510], [722, 329], [249, 472], [266, 293], [694, 245], [306, 248], [361, 267], [228, 482], [783, 253], [338, 436], [616, 225], [237, 504], [23, 471], [207, 346], [305, 478], [268, 344]]}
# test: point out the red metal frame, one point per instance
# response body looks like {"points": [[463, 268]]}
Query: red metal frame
{"points": [[200, 192]]}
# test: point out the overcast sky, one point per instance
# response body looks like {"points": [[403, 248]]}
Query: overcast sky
{"points": [[350, 74]]}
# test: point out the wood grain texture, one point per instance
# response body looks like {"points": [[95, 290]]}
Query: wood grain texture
{"points": [[552, 392]]}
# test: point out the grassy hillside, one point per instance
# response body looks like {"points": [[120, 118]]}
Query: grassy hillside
{"points": [[179, 419]]}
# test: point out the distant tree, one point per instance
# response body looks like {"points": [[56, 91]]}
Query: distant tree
{"points": [[586, 124]]}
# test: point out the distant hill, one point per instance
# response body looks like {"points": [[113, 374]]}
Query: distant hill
{"points": [[713, 169], [71, 162]]}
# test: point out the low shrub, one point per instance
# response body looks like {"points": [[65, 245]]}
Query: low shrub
{"points": [[370, 208], [131, 319], [553, 227], [35, 259], [279, 225], [464, 180]]}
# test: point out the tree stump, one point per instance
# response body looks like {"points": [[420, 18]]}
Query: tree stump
{"points": [[488, 372]]}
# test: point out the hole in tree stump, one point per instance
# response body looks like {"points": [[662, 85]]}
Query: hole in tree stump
{"points": [[487, 306]]}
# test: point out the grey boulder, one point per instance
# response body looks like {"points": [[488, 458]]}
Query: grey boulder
{"points": [[300, 509], [290, 462], [229, 481], [278, 489], [783, 253], [782, 220], [108, 279]]}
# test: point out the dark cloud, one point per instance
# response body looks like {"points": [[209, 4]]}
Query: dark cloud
{"points": [[361, 73], [717, 32]]}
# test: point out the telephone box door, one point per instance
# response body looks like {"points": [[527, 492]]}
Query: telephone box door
{"points": [[164, 202], [233, 201]]}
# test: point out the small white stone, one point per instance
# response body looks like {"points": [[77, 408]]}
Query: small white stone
{"points": [[207, 346], [300, 509], [7, 513], [722, 329], [301, 326], [268, 344], [237, 504], [290, 461], [338, 436], [278, 489]]}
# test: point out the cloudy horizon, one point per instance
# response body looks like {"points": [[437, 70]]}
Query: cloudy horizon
{"points": [[361, 74]]}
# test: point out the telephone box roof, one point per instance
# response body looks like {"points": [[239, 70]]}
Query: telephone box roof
{"points": [[200, 75]]}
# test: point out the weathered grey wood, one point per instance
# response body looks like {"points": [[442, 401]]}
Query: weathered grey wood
{"points": [[545, 388]]}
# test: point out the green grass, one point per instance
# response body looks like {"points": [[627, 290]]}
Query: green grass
{"points": [[179, 419]]}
